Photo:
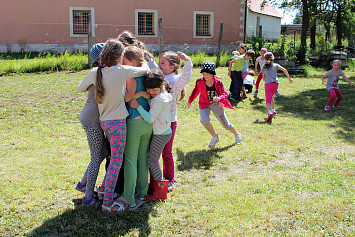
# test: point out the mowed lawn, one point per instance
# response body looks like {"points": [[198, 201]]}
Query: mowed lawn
{"points": [[295, 177]]}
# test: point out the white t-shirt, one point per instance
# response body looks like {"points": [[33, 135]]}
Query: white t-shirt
{"points": [[249, 80], [260, 61]]}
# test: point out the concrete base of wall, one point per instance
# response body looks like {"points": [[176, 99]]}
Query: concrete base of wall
{"points": [[60, 48]]}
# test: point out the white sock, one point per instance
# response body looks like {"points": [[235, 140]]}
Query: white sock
{"points": [[273, 110], [269, 112]]}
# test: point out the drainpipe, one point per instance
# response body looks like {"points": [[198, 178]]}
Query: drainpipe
{"points": [[245, 21]]}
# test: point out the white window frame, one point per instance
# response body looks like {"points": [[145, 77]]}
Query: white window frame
{"points": [[92, 10], [211, 14], [155, 20]]}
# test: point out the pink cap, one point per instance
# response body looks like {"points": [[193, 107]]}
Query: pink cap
{"points": [[263, 49]]}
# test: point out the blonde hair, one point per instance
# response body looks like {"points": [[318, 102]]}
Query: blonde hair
{"points": [[336, 61], [110, 55], [175, 62], [134, 53]]}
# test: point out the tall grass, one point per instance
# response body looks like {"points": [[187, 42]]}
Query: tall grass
{"points": [[43, 62]]}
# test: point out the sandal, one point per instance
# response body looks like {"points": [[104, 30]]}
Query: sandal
{"points": [[121, 207]]}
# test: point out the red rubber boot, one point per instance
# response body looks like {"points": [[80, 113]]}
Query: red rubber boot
{"points": [[160, 190]]}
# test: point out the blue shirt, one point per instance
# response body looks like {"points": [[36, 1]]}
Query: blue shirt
{"points": [[141, 100]]}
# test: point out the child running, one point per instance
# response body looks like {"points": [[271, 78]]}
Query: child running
{"points": [[269, 71], [332, 85], [212, 97], [169, 63], [159, 115], [110, 83], [98, 144]]}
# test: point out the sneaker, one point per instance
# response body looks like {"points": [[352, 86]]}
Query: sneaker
{"points": [[255, 92], [81, 187], [336, 106], [213, 142], [274, 113], [170, 186], [327, 108], [238, 139], [277, 93], [94, 200], [269, 118]]}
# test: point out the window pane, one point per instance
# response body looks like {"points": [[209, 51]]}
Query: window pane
{"points": [[145, 23], [80, 22], [203, 25]]}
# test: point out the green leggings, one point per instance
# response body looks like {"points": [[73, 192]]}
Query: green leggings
{"points": [[136, 155]]}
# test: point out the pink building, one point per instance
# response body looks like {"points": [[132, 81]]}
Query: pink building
{"points": [[38, 25]]}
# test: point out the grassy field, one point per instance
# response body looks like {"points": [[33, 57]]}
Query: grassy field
{"points": [[295, 177]]}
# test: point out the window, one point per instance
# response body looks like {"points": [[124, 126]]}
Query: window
{"points": [[146, 23], [203, 24], [79, 21]]}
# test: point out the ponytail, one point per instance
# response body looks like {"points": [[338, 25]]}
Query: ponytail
{"points": [[100, 90]]}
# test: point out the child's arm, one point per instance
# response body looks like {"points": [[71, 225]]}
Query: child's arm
{"points": [[141, 94], [224, 94], [135, 71], [347, 79], [286, 72], [88, 81], [195, 92], [131, 86], [151, 63], [256, 66], [323, 77], [230, 67], [185, 76], [151, 116]]}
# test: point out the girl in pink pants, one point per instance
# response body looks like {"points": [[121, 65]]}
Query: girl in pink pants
{"points": [[269, 71]]}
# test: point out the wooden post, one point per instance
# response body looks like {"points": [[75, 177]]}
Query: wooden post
{"points": [[219, 43], [89, 38], [160, 35]]}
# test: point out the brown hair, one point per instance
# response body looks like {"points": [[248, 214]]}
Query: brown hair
{"points": [[110, 55], [269, 58], [127, 38], [134, 53], [175, 62], [155, 79]]}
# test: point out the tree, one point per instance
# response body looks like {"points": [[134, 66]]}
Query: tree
{"points": [[298, 18]]}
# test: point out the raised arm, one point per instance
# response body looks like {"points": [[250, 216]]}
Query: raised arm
{"points": [[185, 76]]}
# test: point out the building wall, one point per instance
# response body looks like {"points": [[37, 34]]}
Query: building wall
{"points": [[46, 23], [271, 26]]}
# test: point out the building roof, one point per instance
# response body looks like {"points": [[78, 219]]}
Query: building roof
{"points": [[263, 7]]}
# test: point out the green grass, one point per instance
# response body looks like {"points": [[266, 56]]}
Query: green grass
{"points": [[292, 178]]}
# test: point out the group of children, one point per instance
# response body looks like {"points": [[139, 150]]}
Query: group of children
{"points": [[130, 116]]}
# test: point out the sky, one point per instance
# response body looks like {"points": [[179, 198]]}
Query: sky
{"points": [[287, 15]]}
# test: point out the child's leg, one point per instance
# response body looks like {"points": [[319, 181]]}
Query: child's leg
{"points": [[206, 122], [339, 97], [332, 96], [135, 131], [98, 151], [142, 164], [270, 90], [272, 104], [168, 158], [260, 76], [115, 131], [239, 82], [157, 145], [233, 86], [222, 118]]}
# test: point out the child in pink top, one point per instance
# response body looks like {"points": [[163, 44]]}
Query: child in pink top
{"points": [[212, 97]]}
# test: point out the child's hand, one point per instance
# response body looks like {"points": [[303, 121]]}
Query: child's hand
{"points": [[229, 73], [216, 99], [133, 104], [182, 56], [189, 104], [352, 85], [290, 80]]}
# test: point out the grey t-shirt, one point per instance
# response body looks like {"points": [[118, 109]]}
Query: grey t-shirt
{"points": [[89, 115], [333, 79], [271, 73]]}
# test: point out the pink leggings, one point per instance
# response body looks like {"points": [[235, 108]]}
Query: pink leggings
{"points": [[334, 93], [168, 158], [260, 76], [270, 90]]}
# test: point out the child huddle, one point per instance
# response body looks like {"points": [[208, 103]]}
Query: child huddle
{"points": [[130, 116]]}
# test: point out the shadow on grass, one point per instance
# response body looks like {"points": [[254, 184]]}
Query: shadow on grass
{"points": [[202, 159], [310, 105], [91, 221]]}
